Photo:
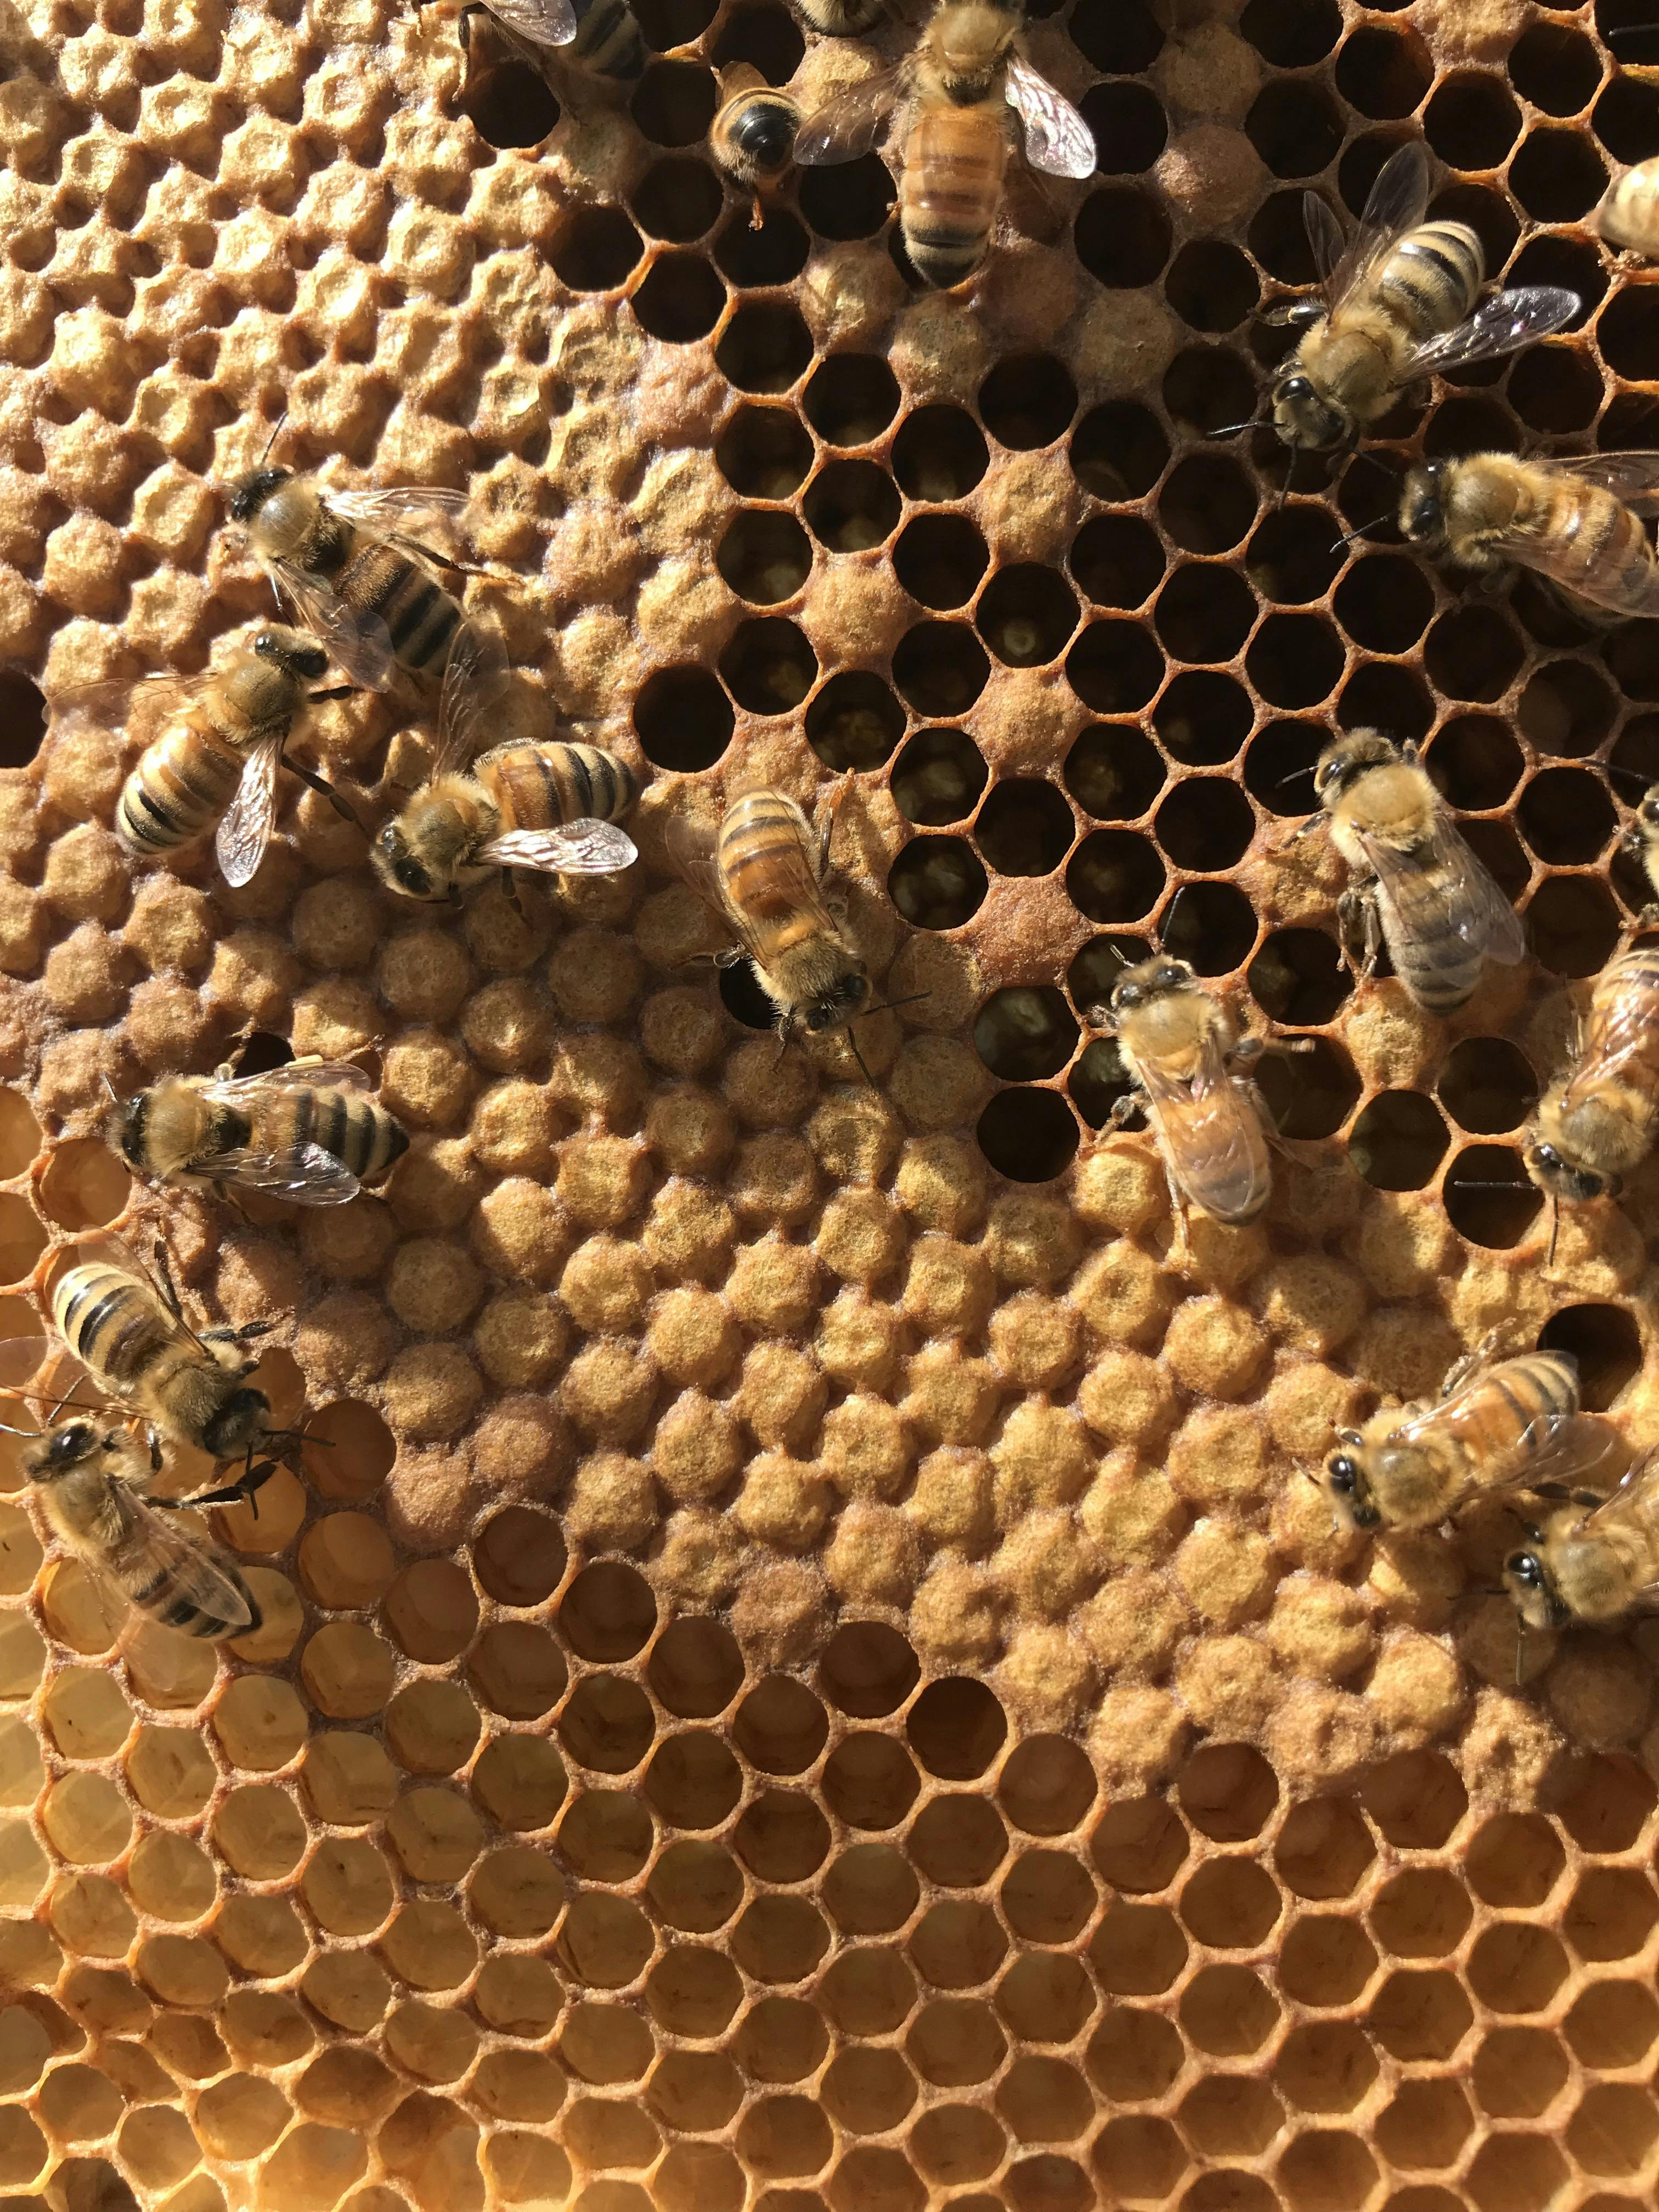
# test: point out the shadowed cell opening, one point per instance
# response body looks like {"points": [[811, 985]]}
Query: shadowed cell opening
{"points": [[1487, 1085], [1295, 127], [1208, 387], [940, 559], [1398, 1141], [1114, 875], [766, 38], [938, 777], [775, 254], [1123, 237], [1129, 125], [1025, 614], [1204, 612], [1291, 33], [1309, 1093], [679, 199], [1295, 661], [939, 454], [764, 556], [1606, 1342], [1114, 667], [1566, 815], [1472, 122], [1119, 451], [1279, 239], [1203, 718], [743, 998], [1117, 561], [1384, 601], [1212, 286], [1627, 341], [596, 251], [683, 720], [509, 105], [940, 668], [1469, 423], [1556, 389], [1475, 762], [855, 721], [1025, 828], [1384, 71], [1025, 1033], [955, 1729], [1382, 694], [1204, 825], [851, 399], [850, 200], [1113, 773], [1625, 119], [263, 1053], [852, 506], [1488, 1197], [765, 347], [1572, 925], [768, 664], [1633, 659], [1556, 69], [668, 23], [1299, 978], [1122, 40], [763, 453], [1496, 846], [674, 103], [1279, 765], [1294, 554], [938, 883], [1027, 402], [1473, 652], [1567, 707], [22, 719], [1099, 1079], [867, 1669], [1030, 1136], [1212, 925], [1557, 176], [1207, 503], [680, 300]]}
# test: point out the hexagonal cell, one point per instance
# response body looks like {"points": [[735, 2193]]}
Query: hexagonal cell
{"points": [[680, 300], [852, 506], [765, 348], [1324, 1959], [1027, 401], [608, 1612], [1603, 1802], [938, 777], [1514, 1967], [696, 1668], [1139, 1844], [1028, 1135], [1398, 1140], [1327, 2067], [1610, 1913], [940, 559], [938, 883], [1230, 1904], [764, 556], [939, 454], [1489, 1197], [1230, 2115], [1227, 2011], [1514, 1859], [1024, 827], [954, 2042], [1419, 2015], [940, 668], [1516, 2174], [1046, 1787], [868, 1782], [1326, 2171], [870, 1890], [958, 1841], [1612, 2023], [1518, 2072], [598, 251], [781, 1727], [1046, 1997]]}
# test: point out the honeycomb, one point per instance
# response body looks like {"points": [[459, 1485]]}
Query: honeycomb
{"points": [[798, 1669]]}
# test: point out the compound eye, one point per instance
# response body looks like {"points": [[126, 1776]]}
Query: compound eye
{"points": [[1344, 1473], [1525, 1568], [858, 987]]}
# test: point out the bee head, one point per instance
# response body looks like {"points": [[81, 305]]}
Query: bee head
{"points": [[839, 1003], [1564, 1178], [69, 1445], [249, 493], [1346, 759], [1423, 505], [1647, 812], [1305, 419], [237, 1423], [1349, 1493], [398, 867], [124, 1126], [1148, 979], [293, 654], [1535, 1597]]}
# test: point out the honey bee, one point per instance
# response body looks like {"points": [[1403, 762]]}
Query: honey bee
{"points": [[1596, 1560], [1574, 521], [369, 591], [306, 1131], [1641, 841], [1396, 304], [1629, 213], [603, 35], [1598, 1121], [752, 137], [1497, 1425], [969, 69], [1419, 890], [840, 19], [1179, 1047]]}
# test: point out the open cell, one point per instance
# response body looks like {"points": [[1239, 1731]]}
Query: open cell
{"points": [[1114, 667], [853, 722], [1566, 815], [1113, 773], [1025, 828], [1027, 401], [1514, 1967], [939, 454], [1026, 1032], [1325, 1960], [598, 251], [679, 198], [768, 665], [1028, 1135], [938, 883], [1205, 824], [1119, 451], [852, 506], [851, 399], [1573, 924], [1398, 1141], [1488, 1196], [1117, 561], [938, 777], [940, 559], [1610, 1914], [940, 668], [764, 556], [1293, 556], [1203, 717], [680, 301], [781, 1727], [1204, 612], [751, 259], [1299, 978], [1384, 71], [1025, 615], [765, 348], [1211, 925], [1115, 875]]}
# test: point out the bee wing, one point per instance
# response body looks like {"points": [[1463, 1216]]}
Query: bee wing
{"points": [[1057, 138], [848, 124], [578, 848], [691, 843], [361, 646], [1497, 326], [305, 1173], [475, 676], [1619, 1031], [1633, 478], [1442, 885], [304, 1074], [244, 830], [1214, 1136], [47, 1374], [403, 507], [109, 705], [1395, 202], [542, 22], [154, 1543], [1560, 557], [1639, 1487]]}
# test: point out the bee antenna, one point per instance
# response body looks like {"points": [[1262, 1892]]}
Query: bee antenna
{"points": [[888, 1005], [1162, 939], [859, 1056], [1290, 476], [271, 440], [1618, 767], [1555, 1231], [1359, 530], [114, 1095], [1297, 775], [1232, 429]]}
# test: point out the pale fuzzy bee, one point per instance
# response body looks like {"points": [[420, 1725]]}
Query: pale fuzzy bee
{"points": [[1596, 1123], [309, 1132], [840, 19], [752, 137], [1575, 521], [969, 69], [602, 37], [1497, 1425], [1594, 1561], [1418, 888], [1180, 1048], [1628, 216], [1641, 841], [1397, 303]]}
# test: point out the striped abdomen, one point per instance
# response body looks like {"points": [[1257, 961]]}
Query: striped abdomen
{"points": [[119, 1329], [544, 787], [765, 863], [184, 1590], [608, 41], [181, 786], [1498, 1415], [1430, 280], [1599, 548], [951, 189], [1618, 1067], [1629, 215], [355, 1131], [378, 582]]}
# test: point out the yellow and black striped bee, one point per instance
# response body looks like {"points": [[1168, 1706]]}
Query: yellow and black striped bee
{"points": [[1597, 1121], [308, 1131], [1576, 522], [752, 137], [1597, 1559], [602, 36]]}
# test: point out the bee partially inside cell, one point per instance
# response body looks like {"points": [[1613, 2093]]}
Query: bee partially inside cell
{"points": [[1594, 1561], [752, 137], [1598, 1120]]}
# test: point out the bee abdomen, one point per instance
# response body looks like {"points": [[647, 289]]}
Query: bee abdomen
{"points": [[949, 191], [113, 1324], [544, 787], [420, 618], [761, 133], [1615, 557], [1431, 279], [1532, 1389], [1440, 972], [362, 1135], [181, 786], [1630, 212], [608, 40]]}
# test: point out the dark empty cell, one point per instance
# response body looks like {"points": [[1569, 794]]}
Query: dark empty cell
{"points": [[1123, 237], [1488, 1197], [1097, 967], [1628, 343], [1556, 69], [1294, 554], [1025, 828], [850, 400], [765, 347], [1577, 266], [1030, 1136], [1384, 601], [1112, 773], [680, 298], [1205, 824], [938, 883], [768, 665], [1567, 817], [1487, 1085], [262, 1054], [1207, 503], [1295, 127], [1129, 126], [1211, 925], [1633, 763], [938, 777], [1633, 659], [1295, 661], [1626, 119], [1475, 762], [1279, 239], [510, 106], [1279, 765], [768, 38], [1097, 1081], [852, 506], [854, 722], [1606, 1344], [1027, 401], [743, 998], [1025, 615], [765, 557], [683, 720], [22, 719], [849, 199], [1384, 71], [1572, 925], [667, 23], [1121, 40], [1471, 122], [940, 668], [1025, 1033], [775, 254], [940, 559], [596, 251], [1116, 875], [1204, 612], [1465, 422], [939, 454], [1298, 977], [1397, 1142], [1545, 616], [1473, 652], [679, 199], [1117, 561], [763, 453], [1499, 850], [1309, 1093], [1212, 287], [1206, 388], [674, 103], [1555, 388], [1114, 667], [1119, 451], [1203, 718], [1291, 33], [1558, 175]]}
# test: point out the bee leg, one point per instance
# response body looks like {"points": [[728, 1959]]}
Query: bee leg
{"points": [[510, 887], [758, 218], [835, 806], [324, 789], [233, 1494], [165, 1282]]}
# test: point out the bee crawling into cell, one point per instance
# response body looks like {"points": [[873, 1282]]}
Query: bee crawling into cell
{"points": [[967, 70], [1597, 1121], [1417, 887], [602, 38], [752, 137], [1596, 1560]]}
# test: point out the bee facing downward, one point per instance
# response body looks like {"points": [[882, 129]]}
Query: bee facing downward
{"points": [[1396, 304], [306, 1131], [1594, 1561], [1418, 889], [1596, 1123], [752, 137], [603, 36]]}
